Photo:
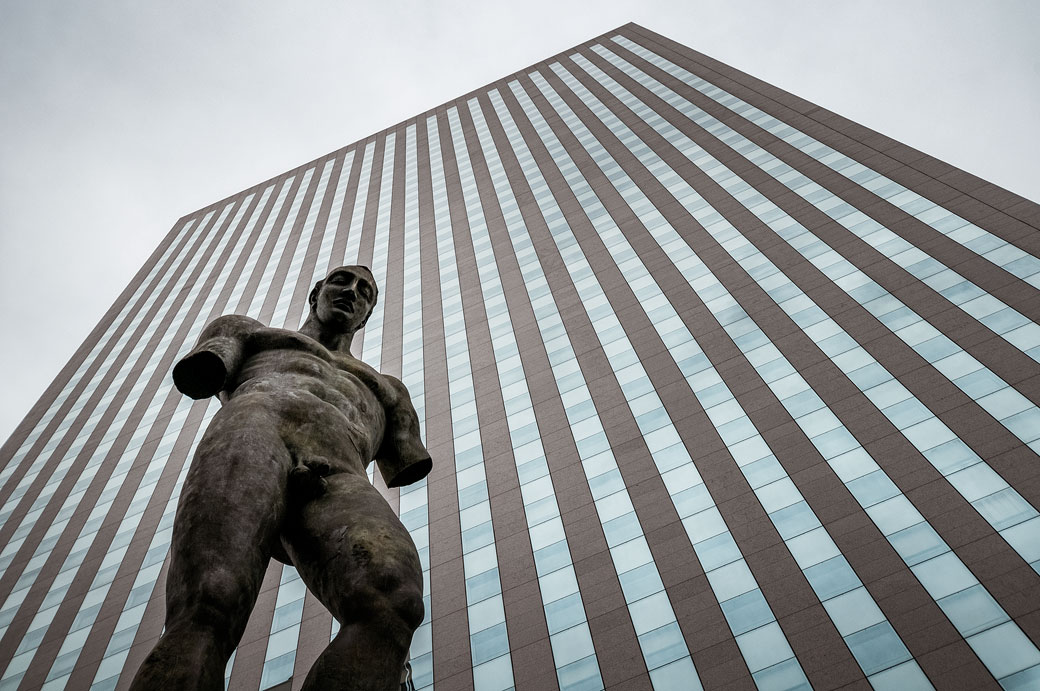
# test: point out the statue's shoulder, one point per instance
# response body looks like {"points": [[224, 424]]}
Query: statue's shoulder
{"points": [[233, 325], [387, 388], [263, 337], [398, 391], [356, 366], [255, 336], [394, 382], [258, 335]]}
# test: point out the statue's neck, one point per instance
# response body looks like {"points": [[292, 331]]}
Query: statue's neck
{"points": [[334, 339]]}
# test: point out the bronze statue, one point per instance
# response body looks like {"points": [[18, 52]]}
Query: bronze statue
{"points": [[280, 472]]}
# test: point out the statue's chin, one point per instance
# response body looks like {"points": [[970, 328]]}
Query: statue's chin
{"points": [[339, 319]]}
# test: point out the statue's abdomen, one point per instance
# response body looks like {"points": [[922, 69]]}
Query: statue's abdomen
{"points": [[322, 412]]}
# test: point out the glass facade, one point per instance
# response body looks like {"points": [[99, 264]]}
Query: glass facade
{"points": [[721, 390]]}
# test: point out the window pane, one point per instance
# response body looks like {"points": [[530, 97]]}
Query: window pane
{"points": [[877, 648]]}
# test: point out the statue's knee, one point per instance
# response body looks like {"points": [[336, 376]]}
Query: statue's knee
{"points": [[401, 607], [407, 605], [213, 602], [388, 595]]}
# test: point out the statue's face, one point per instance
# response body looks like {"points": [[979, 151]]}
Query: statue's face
{"points": [[346, 297]]}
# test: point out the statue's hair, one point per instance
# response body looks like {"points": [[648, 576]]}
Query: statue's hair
{"points": [[312, 298]]}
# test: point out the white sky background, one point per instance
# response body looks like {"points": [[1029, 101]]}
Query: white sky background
{"points": [[119, 117]]}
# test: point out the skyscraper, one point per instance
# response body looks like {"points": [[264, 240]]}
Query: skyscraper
{"points": [[723, 390]]}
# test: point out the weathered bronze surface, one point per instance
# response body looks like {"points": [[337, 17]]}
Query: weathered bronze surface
{"points": [[280, 472]]}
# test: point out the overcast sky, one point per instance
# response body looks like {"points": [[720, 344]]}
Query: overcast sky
{"points": [[118, 117]]}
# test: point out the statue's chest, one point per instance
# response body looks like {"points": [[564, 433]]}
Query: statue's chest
{"points": [[291, 352], [363, 377]]}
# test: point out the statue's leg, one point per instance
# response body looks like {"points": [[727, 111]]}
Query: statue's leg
{"points": [[357, 558], [228, 519]]}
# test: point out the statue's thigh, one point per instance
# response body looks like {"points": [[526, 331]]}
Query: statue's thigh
{"points": [[349, 546], [228, 521], [233, 502]]}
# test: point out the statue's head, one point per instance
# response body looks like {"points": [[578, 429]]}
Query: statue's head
{"points": [[345, 297]]}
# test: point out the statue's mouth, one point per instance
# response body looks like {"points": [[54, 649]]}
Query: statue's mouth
{"points": [[345, 304]]}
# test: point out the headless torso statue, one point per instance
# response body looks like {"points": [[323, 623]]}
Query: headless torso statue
{"points": [[280, 472]]}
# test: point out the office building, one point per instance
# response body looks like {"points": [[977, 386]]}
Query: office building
{"points": [[723, 391]]}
